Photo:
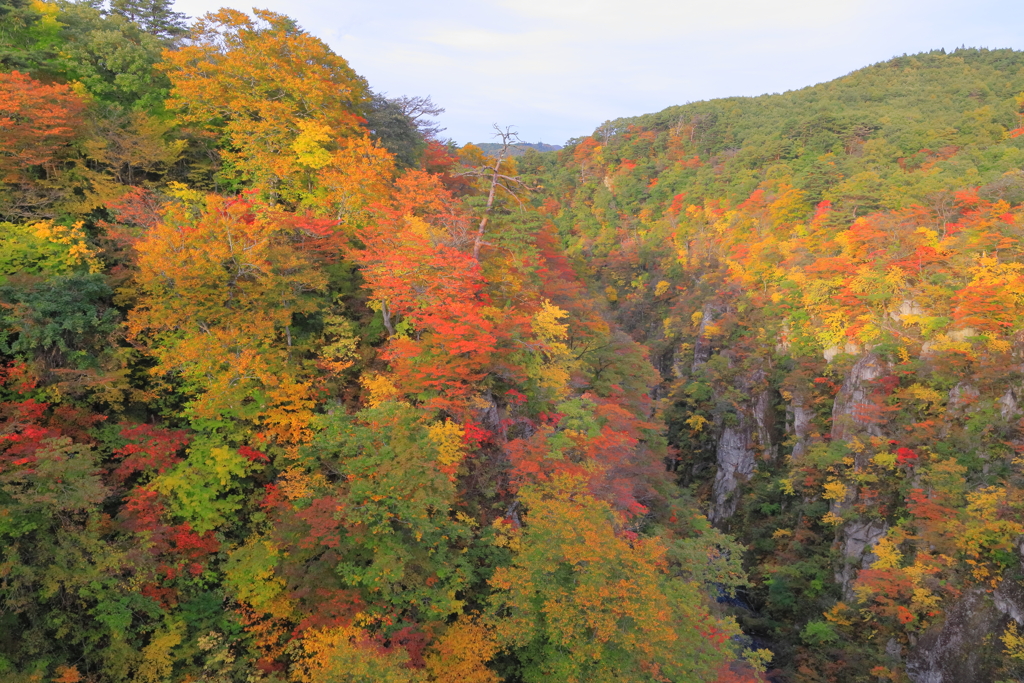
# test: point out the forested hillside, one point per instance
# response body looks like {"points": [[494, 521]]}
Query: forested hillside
{"points": [[516, 150], [831, 284], [294, 391]]}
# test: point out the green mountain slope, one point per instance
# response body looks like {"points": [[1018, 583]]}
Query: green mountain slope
{"points": [[949, 112]]}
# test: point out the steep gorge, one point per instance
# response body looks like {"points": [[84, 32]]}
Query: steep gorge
{"points": [[830, 282], [291, 390]]}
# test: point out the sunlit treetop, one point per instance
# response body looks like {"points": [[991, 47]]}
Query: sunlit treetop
{"points": [[273, 92]]}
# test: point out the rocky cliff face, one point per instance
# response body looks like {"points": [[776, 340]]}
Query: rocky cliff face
{"points": [[736, 464], [855, 415], [798, 423], [963, 641], [854, 411], [704, 345], [848, 474], [966, 645], [748, 431]]}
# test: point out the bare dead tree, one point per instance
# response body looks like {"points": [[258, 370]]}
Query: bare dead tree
{"points": [[512, 185], [421, 110]]}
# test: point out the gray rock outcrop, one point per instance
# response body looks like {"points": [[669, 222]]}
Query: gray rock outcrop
{"points": [[853, 410], [703, 346], [853, 415], [736, 463], [799, 416], [856, 540], [966, 645]]}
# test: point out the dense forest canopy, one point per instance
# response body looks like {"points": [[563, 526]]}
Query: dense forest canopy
{"points": [[294, 390]]}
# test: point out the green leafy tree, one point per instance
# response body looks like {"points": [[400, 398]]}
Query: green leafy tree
{"points": [[28, 36], [65, 322], [111, 56]]}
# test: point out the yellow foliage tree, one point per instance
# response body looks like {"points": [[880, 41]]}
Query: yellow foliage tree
{"points": [[346, 655], [280, 98], [217, 296], [461, 654]]}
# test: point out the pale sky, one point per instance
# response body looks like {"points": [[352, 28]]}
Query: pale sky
{"points": [[556, 69]]}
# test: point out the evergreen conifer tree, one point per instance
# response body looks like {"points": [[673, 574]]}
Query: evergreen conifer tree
{"points": [[154, 16]]}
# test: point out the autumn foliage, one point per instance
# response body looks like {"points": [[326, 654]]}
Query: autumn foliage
{"points": [[277, 406], [38, 121], [724, 393]]}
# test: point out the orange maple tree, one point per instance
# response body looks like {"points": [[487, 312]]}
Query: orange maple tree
{"points": [[38, 124], [218, 294]]}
